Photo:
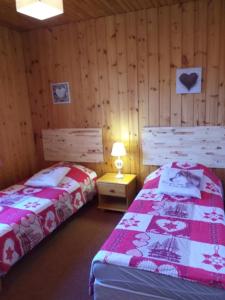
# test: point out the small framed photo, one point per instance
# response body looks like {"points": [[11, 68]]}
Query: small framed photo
{"points": [[188, 80], [60, 92]]}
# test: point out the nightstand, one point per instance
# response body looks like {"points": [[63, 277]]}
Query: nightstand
{"points": [[116, 194]]}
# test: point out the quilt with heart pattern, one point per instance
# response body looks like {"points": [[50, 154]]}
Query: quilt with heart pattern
{"points": [[173, 235], [28, 214]]}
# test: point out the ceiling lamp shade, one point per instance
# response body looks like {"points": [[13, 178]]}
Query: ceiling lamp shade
{"points": [[40, 9]]}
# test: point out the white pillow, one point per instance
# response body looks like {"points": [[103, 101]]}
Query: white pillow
{"points": [[48, 177], [181, 182]]}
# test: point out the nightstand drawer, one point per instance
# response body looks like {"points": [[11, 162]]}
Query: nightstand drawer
{"points": [[116, 193], [112, 189]]}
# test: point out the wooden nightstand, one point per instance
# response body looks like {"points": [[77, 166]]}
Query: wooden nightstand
{"points": [[116, 194]]}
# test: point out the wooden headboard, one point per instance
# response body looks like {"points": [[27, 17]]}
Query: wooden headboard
{"points": [[202, 144], [73, 144]]}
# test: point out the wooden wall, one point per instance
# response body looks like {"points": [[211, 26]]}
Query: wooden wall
{"points": [[17, 159], [121, 71]]}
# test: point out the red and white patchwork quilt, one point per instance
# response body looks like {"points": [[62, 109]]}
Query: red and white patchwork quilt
{"points": [[174, 235], [28, 214]]}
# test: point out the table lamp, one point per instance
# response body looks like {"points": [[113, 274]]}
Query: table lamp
{"points": [[118, 150]]}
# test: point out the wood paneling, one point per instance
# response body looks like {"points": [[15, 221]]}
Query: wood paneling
{"points": [[78, 145], [76, 10], [199, 144], [17, 159], [122, 70]]}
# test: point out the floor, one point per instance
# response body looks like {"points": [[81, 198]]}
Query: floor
{"points": [[58, 268]]}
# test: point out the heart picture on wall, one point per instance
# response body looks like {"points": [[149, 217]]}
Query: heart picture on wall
{"points": [[60, 92], [188, 80]]}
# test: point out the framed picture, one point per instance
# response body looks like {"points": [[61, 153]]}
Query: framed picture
{"points": [[60, 92], [188, 80]]}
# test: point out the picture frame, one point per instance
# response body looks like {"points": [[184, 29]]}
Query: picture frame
{"points": [[188, 80], [60, 93]]}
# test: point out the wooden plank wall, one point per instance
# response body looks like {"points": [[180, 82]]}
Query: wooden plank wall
{"points": [[17, 150], [78, 145], [197, 144], [121, 71]]}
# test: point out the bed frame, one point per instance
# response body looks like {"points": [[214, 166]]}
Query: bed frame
{"points": [[202, 144], [73, 144], [161, 145]]}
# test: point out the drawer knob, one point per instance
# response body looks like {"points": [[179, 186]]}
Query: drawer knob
{"points": [[112, 191]]}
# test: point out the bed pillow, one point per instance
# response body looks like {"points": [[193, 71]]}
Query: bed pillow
{"points": [[48, 177], [181, 182]]}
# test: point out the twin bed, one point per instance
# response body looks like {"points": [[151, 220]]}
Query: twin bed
{"points": [[165, 238], [170, 244], [29, 213], [167, 246], [32, 209]]}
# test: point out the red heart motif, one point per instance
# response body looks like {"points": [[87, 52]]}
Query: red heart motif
{"points": [[188, 80], [171, 226]]}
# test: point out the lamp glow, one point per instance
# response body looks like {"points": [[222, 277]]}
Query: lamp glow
{"points": [[40, 9], [118, 150]]}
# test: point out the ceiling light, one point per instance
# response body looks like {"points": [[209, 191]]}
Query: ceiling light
{"points": [[40, 9]]}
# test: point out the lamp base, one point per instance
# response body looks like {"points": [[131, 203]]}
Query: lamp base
{"points": [[119, 166], [119, 175]]}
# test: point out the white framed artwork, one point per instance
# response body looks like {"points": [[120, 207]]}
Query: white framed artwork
{"points": [[60, 93], [188, 80]]}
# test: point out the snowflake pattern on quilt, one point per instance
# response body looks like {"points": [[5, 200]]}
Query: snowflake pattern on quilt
{"points": [[210, 187], [69, 184], [214, 215], [149, 194], [129, 222], [134, 222], [11, 199], [215, 259]]}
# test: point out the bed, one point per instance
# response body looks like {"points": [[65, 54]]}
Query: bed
{"points": [[32, 209], [28, 214], [167, 246]]}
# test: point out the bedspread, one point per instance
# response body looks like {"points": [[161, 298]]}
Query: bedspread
{"points": [[28, 214], [172, 235]]}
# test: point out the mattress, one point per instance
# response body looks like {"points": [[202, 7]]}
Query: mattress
{"points": [[28, 214], [120, 283]]}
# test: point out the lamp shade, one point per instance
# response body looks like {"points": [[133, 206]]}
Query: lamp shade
{"points": [[40, 9], [118, 149]]}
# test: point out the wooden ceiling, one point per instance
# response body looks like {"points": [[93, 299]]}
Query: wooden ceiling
{"points": [[76, 10]]}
